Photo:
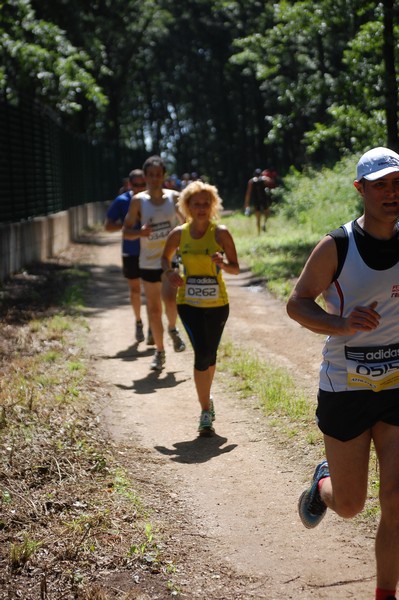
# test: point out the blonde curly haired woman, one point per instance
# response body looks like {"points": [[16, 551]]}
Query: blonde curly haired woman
{"points": [[206, 249]]}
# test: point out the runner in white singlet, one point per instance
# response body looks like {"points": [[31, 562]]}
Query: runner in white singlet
{"points": [[156, 210], [358, 400]]}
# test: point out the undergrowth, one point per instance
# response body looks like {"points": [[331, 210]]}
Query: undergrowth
{"points": [[70, 514]]}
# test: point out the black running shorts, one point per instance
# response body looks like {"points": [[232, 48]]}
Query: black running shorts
{"points": [[154, 275], [345, 415], [131, 267], [151, 275]]}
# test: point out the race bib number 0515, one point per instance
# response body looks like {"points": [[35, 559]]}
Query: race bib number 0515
{"points": [[375, 368]]}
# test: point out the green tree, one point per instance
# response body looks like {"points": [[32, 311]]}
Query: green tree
{"points": [[209, 115], [328, 68], [299, 62], [121, 38], [217, 86], [38, 61]]}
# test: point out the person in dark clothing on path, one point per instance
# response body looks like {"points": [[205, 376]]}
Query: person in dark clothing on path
{"points": [[258, 195]]}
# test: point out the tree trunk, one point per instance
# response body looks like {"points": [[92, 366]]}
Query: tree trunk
{"points": [[391, 89]]}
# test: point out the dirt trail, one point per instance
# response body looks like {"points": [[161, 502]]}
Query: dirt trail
{"points": [[238, 490]]}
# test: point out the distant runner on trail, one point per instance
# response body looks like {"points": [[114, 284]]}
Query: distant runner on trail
{"points": [[258, 194], [356, 268], [207, 249]]}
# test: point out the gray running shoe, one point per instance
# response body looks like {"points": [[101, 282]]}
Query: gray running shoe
{"points": [[205, 427], [158, 361], [150, 338], [311, 507], [178, 344], [139, 332]]}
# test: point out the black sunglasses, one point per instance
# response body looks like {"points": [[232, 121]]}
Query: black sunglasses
{"points": [[141, 184]]}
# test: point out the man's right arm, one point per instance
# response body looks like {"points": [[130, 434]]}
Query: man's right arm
{"points": [[113, 218], [315, 278], [129, 228], [112, 226]]}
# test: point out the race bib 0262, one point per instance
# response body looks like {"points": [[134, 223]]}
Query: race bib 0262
{"points": [[201, 288]]}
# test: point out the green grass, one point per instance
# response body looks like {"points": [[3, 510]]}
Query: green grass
{"points": [[277, 255], [122, 485], [273, 388], [21, 553]]}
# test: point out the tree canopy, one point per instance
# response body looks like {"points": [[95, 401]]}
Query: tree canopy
{"points": [[219, 87]]}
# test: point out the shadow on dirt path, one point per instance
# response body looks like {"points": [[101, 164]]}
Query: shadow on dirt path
{"points": [[238, 490]]}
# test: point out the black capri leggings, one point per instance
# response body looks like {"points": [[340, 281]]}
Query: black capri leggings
{"points": [[204, 327]]}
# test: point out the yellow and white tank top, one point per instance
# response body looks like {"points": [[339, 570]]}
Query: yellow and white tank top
{"points": [[163, 219], [204, 285]]}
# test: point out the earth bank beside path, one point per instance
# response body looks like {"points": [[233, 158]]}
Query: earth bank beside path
{"points": [[232, 497]]}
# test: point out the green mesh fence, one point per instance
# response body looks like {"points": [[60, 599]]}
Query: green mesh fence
{"points": [[45, 169]]}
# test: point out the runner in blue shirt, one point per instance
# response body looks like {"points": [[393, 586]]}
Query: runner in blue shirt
{"points": [[130, 248]]}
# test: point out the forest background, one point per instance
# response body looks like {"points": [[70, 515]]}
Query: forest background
{"points": [[215, 86]]}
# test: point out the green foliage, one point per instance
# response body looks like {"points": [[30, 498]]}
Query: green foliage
{"points": [[58, 324], [20, 553], [51, 356], [123, 486], [148, 550], [320, 65], [321, 200], [38, 59], [344, 128], [215, 86], [363, 58]]}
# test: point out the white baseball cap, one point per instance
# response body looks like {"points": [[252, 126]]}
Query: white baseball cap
{"points": [[377, 163]]}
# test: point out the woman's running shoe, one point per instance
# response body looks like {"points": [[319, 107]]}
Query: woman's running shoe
{"points": [[205, 427]]}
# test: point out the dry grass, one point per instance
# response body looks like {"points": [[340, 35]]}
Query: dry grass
{"points": [[72, 524]]}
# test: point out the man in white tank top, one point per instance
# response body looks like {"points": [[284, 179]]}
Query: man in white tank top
{"points": [[156, 209], [358, 400]]}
